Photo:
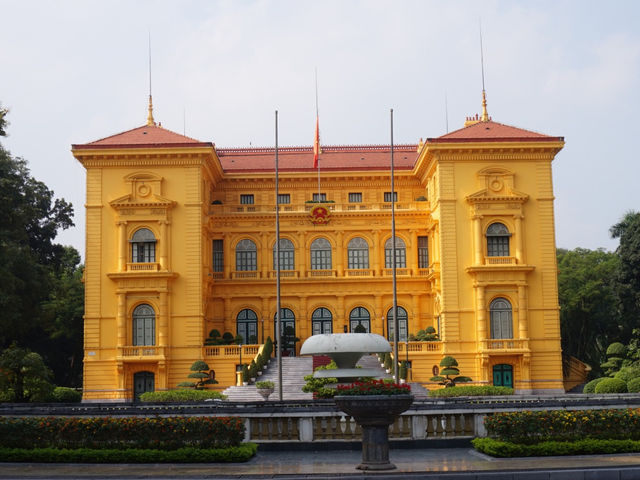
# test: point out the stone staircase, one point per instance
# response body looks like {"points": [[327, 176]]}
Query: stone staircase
{"points": [[293, 371]]}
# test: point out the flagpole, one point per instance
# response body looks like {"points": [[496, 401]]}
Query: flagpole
{"points": [[317, 135], [396, 330], [278, 322]]}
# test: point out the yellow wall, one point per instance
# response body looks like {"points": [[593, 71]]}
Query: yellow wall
{"points": [[169, 191]]}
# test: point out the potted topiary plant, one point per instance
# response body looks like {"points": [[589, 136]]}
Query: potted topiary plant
{"points": [[449, 368], [265, 388], [245, 375]]}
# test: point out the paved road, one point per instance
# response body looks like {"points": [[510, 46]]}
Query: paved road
{"points": [[413, 464]]}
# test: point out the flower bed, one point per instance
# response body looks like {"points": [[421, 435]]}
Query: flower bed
{"points": [[166, 433], [374, 387], [470, 391]]}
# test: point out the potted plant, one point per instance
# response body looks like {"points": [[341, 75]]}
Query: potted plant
{"points": [[403, 371], [265, 388], [388, 363], [245, 375], [374, 404]]}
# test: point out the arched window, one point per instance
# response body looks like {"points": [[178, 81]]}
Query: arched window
{"points": [[321, 321], [143, 246], [287, 255], [288, 331], [246, 256], [402, 324], [320, 254], [360, 316], [358, 253], [501, 318], [144, 325], [247, 326], [498, 240], [401, 253]]}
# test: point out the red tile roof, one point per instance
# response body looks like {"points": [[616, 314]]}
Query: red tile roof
{"points": [[332, 158], [145, 136], [492, 132]]}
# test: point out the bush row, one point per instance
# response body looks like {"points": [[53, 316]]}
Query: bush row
{"points": [[527, 427], [168, 433], [471, 391], [240, 453], [588, 446], [182, 395], [617, 384]]}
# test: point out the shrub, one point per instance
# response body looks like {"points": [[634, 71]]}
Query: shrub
{"points": [[182, 395], [587, 446], [66, 395], [265, 384], [449, 368], [317, 386], [590, 387], [471, 391], [628, 373], [374, 387], [167, 433], [529, 427], [240, 453], [634, 385], [611, 385], [616, 349], [227, 338]]}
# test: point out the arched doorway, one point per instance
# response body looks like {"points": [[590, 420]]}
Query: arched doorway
{"points": [[247, 326], [288, 332], [321, 321], [503, 375], [142, 382]]}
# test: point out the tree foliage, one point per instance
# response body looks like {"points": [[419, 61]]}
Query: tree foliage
{"points": [[24, 376], [587, 303]]}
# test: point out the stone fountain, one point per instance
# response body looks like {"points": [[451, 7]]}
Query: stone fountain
{"points": [[374, 413]]}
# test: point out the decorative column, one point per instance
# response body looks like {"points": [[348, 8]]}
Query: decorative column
{"points": [[339, 255], [228, 255], [302, 255], [376, 253], [226, 315], [523, 323], [264, 254], [414, 252], [121, 320], [304, 324], [122, 246], [164, 245], [477, 239], [519, 242], [340, 313], [481, 314], [163, 323]]}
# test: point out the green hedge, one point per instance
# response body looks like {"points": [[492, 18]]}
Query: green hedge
{"points": [[166, 433], [471, 391], [590, 387], [527, 427], [589, 446], [183, 395], [240, 453], [634, 385], [611, 385]]}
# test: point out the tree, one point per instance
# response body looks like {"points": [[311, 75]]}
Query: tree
{"points": [[449, 373], [587, 303], [199, 372], [627, 277], [24, 376]]}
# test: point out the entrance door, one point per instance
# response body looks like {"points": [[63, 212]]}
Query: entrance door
{"points": [[503, 376], [142, 382]]}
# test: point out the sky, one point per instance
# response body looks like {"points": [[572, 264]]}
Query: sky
{"points": [[73, 71]]}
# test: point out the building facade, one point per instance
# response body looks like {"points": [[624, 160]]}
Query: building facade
{"points": [[180, 242]]}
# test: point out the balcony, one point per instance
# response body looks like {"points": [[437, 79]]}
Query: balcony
{"points": [[505, 344], [321, 273], [420, 347], [232, 209], [359, 272], [231, 351], [400, 272], [285, 274], [143, 267], [141, 352], [500, 260]]}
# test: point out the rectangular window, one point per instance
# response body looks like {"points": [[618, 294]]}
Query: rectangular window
{"points": [[246, 199], [355, 197], [284, 199], [319, 197], [423, 252], [401, 258], [387, 196], [143, 252], [246, 261], [498, 246], [218, 256], [320, 259], [358, 258], [287, 259]]}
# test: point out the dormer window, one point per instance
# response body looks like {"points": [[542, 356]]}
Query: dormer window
{"points": [[143, 246]]}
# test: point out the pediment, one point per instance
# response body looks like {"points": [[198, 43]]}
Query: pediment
{"points": [[153, 201], [486, 195]]}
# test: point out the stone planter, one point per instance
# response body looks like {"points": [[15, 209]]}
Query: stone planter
{"points": [[265, 392], [374, 414]]}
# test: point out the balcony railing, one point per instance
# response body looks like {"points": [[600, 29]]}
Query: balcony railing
{"points": [[321, 273], [143, 267], [359, 272], [140, 351], [505, 344], [420, 346], [231, 351], [324, 273], [285, 274], [400, 272], [306, 207], [246, 274], [500, 260]]}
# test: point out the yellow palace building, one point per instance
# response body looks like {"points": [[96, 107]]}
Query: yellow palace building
{"points": [[180, 239]]}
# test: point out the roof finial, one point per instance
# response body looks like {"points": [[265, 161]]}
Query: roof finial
{"points": [[150, 120], [485, 115]]}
